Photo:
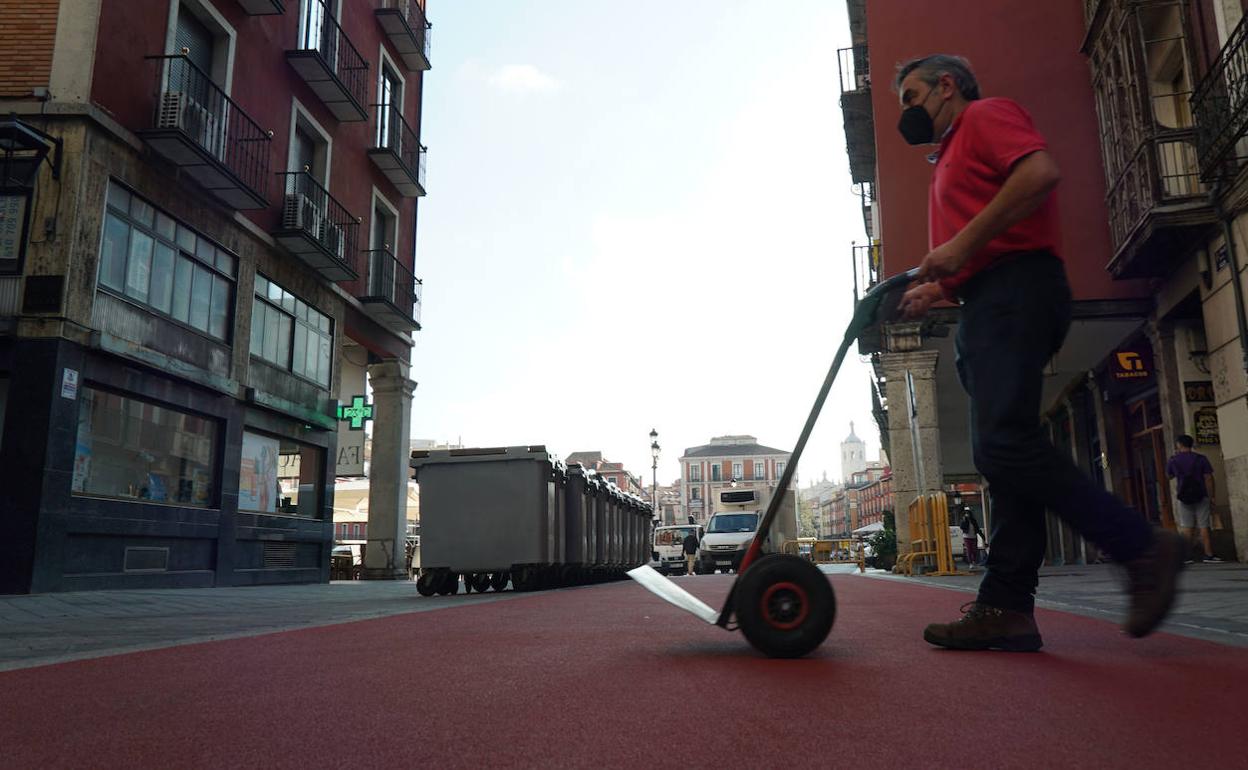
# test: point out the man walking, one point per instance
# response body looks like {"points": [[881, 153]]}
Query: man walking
{"points": [[691, 551], [992, 226], [1193, 492]]}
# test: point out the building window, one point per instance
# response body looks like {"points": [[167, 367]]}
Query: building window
{"points": [[760, 470], [357, 531], [309, 147], [737, 473], [695, 494], [779, 469], [717, 472], [384, 234], [150, 258], [277, 475], [137, 450], [290, 333], [695, 472]]}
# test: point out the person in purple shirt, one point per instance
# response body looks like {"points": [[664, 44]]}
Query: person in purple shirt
{"points": [[1193, 491]]}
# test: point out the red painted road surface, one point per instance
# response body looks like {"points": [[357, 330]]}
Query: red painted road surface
{"points": [[609, 676]]}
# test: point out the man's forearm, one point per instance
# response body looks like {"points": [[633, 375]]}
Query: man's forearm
{"points": [[1027, 187]]}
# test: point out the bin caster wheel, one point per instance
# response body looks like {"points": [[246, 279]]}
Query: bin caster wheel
{"points": [[426, 585], [498, 581], [480, 582], [785, 606], [448, 583]]}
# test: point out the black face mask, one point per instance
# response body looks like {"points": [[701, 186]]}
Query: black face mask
{"points": [[916, 126]]}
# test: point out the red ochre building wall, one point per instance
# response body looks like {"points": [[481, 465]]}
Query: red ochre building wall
{"points": [[1044, 71]]}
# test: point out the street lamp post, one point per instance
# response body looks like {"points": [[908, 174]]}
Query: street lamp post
{"points": [[654, 469]]}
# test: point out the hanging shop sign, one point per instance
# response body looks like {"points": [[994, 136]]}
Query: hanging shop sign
{"points": [[1132, 364], [1198, 392], [13, 216], [1205, 421]]}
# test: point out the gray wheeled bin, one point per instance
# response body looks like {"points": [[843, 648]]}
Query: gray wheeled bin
{"points": [[615, 504], [578, 523], [488, 514], [635, 532], [602, 531]]}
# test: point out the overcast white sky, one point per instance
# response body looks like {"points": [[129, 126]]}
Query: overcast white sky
{"points": [[639, 216]]}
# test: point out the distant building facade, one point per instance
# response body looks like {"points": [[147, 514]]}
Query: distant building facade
{"points": [[716, 465]]}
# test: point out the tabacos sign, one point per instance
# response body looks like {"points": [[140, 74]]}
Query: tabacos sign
{"points": [[1132, 364]]}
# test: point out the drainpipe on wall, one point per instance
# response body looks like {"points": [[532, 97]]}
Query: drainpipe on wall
{"points": [[1228, 235]]}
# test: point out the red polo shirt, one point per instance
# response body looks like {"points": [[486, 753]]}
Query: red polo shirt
{"points": [[975, 158]]}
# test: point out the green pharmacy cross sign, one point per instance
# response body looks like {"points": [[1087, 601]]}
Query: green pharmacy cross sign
{"points": [[357, 413]]}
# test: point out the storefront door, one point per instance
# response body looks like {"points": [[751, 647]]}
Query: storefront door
{"points": [[1150, 487]]}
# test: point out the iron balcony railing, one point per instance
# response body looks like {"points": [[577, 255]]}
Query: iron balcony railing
{"points": [[1220, 105], [187, 99], [1161, 171], [418, 26], [308, 208], [392, 133], [319, 31], [854, 69], [390, 281], [866, 269]]}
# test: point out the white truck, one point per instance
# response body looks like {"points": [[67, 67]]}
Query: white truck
{"points": [[732, 527], [669, 543]]}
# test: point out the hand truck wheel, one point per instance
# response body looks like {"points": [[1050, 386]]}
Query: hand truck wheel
{"points": [[785, 606]]}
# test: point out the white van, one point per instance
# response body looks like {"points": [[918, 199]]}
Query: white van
{"points": [[669, 547], [728, 535]]}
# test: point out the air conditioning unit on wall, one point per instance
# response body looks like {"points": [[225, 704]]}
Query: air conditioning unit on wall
{"points": [[300, 213], [333, 238], [180, 110]]}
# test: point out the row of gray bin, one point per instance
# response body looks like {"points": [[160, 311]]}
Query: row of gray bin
{"points": [[491, 515]]}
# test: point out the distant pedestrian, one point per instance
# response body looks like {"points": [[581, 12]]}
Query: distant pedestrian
{"points": [[1193, 492], [691, 552], [970, 538], [994, 240]]}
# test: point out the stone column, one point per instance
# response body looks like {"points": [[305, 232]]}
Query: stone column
{"points": [[913, 422], [385, 557], [1169, 383]]}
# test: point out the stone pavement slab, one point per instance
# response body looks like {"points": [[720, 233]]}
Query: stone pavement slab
{"points": [[1212, 602], [51, 628]]}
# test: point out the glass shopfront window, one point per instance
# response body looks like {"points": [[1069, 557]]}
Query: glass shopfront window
{"points": [[278, 475], [133, 449]]}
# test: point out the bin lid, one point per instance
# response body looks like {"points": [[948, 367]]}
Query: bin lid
{"points": [[537, 452]]}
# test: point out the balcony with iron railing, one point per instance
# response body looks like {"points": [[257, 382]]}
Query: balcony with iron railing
{"points": [[397, 151], [262, 7], [203, 132], [855, 81], [329, 63], [316, 228], [1220, 104], [405, 25], [391, 293], [867, 268], [1155, 203]]}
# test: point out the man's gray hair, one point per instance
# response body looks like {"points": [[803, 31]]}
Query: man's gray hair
{"points": [[930, 68]]}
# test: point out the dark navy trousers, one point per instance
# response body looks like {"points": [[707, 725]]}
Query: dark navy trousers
{"points": [[1015, 316]]}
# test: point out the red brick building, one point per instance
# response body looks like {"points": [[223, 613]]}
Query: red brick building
{"points": [[211, 254]]}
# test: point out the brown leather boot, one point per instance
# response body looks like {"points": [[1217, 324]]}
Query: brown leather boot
{"points": [[987, 628], [1152, 581]]}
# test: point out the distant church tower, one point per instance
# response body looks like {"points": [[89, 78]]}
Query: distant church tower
{"points": [[853, 455]]}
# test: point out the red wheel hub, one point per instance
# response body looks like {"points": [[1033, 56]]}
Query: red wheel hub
{"points": [[785, 605]]}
